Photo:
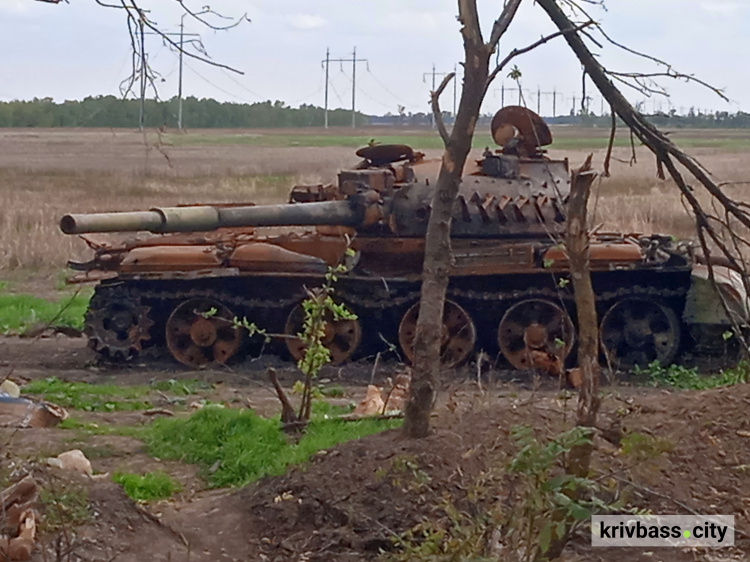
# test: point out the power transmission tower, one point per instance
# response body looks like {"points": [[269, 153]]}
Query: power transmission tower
{"points": [[144, 68], [354, 60], [434, 74]]}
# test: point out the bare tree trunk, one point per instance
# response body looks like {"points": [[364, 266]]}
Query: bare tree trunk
{"points": [[438, 255], [577, 248], [577, 244]]}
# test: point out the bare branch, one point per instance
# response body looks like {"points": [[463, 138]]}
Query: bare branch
{"points": [[611, 143], [502, 23], [436, 113], [469, 18], [516, 52]]}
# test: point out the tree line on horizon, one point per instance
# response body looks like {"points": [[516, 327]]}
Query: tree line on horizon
{"points": [[111, 111]]}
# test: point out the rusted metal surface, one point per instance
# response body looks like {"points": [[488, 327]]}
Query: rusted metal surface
{"points": [[380, 154], [523, 125], [202, 332], [534, 332], [258, 256], [170, 258], [458, 334]]}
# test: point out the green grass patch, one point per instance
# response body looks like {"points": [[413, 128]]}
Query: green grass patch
{"points": [[683, 378], [20, 311], [598, 139], [287, 140], [108, 397], [89, 397], [150, 486], [235, 447], [85, 429]]}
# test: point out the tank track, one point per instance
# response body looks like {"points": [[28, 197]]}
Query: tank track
{"points": [[381, 309]]}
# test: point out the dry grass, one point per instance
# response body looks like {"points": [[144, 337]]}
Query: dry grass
{"points": [[45, 174]]}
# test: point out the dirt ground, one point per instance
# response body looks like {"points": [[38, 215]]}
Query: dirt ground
{"points": [[349, 502]]}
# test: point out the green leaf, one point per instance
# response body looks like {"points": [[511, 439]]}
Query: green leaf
{"points": [[578, 512], [545, 537]]}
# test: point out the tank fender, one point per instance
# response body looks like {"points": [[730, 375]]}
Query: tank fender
{"points": [[704, 304]]}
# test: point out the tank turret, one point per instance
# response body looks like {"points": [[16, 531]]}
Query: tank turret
{"points": [[509, 292]]}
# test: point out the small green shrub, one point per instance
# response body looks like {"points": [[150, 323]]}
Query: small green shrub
{"points": [[150, 486], [65, 506]]}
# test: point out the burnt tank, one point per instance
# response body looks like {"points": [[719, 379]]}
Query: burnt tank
{"points": [[509, 292]]}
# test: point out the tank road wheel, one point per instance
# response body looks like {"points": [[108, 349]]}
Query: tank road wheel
{"points": [[342, 337], [639, 331], [201, 332], [458, 334], [117, 323], [536, 333]]}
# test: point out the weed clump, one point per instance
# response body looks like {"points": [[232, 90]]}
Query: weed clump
{"points": [[150, 486]]}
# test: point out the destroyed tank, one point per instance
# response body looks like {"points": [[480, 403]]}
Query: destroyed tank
{"points": [[509, 293]]}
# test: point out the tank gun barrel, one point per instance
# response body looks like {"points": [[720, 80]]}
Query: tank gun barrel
{"points": [[350, 212]]}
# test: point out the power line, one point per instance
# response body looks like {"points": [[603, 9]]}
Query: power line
{"points": [[207, 81], [354, 60]]}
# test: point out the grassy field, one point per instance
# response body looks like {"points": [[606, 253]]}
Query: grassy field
{"points": [[47, 173]]}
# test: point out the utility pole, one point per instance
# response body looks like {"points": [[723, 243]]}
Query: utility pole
{"points": [[434, 74], [354, 60], [455, 79], [179, 88], [325, 110], [354, 88], [538, 100], [143, 75], [554, 102]]}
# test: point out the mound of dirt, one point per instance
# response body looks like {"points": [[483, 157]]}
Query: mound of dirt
{"points": [[117, 529], [350, 502]]}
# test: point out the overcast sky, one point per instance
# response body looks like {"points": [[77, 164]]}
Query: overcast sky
{"points": [[69, 51]]}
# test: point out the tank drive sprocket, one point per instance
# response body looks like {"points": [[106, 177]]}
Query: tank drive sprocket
{"points": [[117, 322]]}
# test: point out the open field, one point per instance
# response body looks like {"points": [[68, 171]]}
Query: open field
{"points": [[46, 173]]}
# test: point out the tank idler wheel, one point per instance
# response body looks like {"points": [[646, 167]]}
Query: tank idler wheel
{"points": [[342, 337], [639, 331], [118, 324], [536, 333], [458, 334], [201, 332]]}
